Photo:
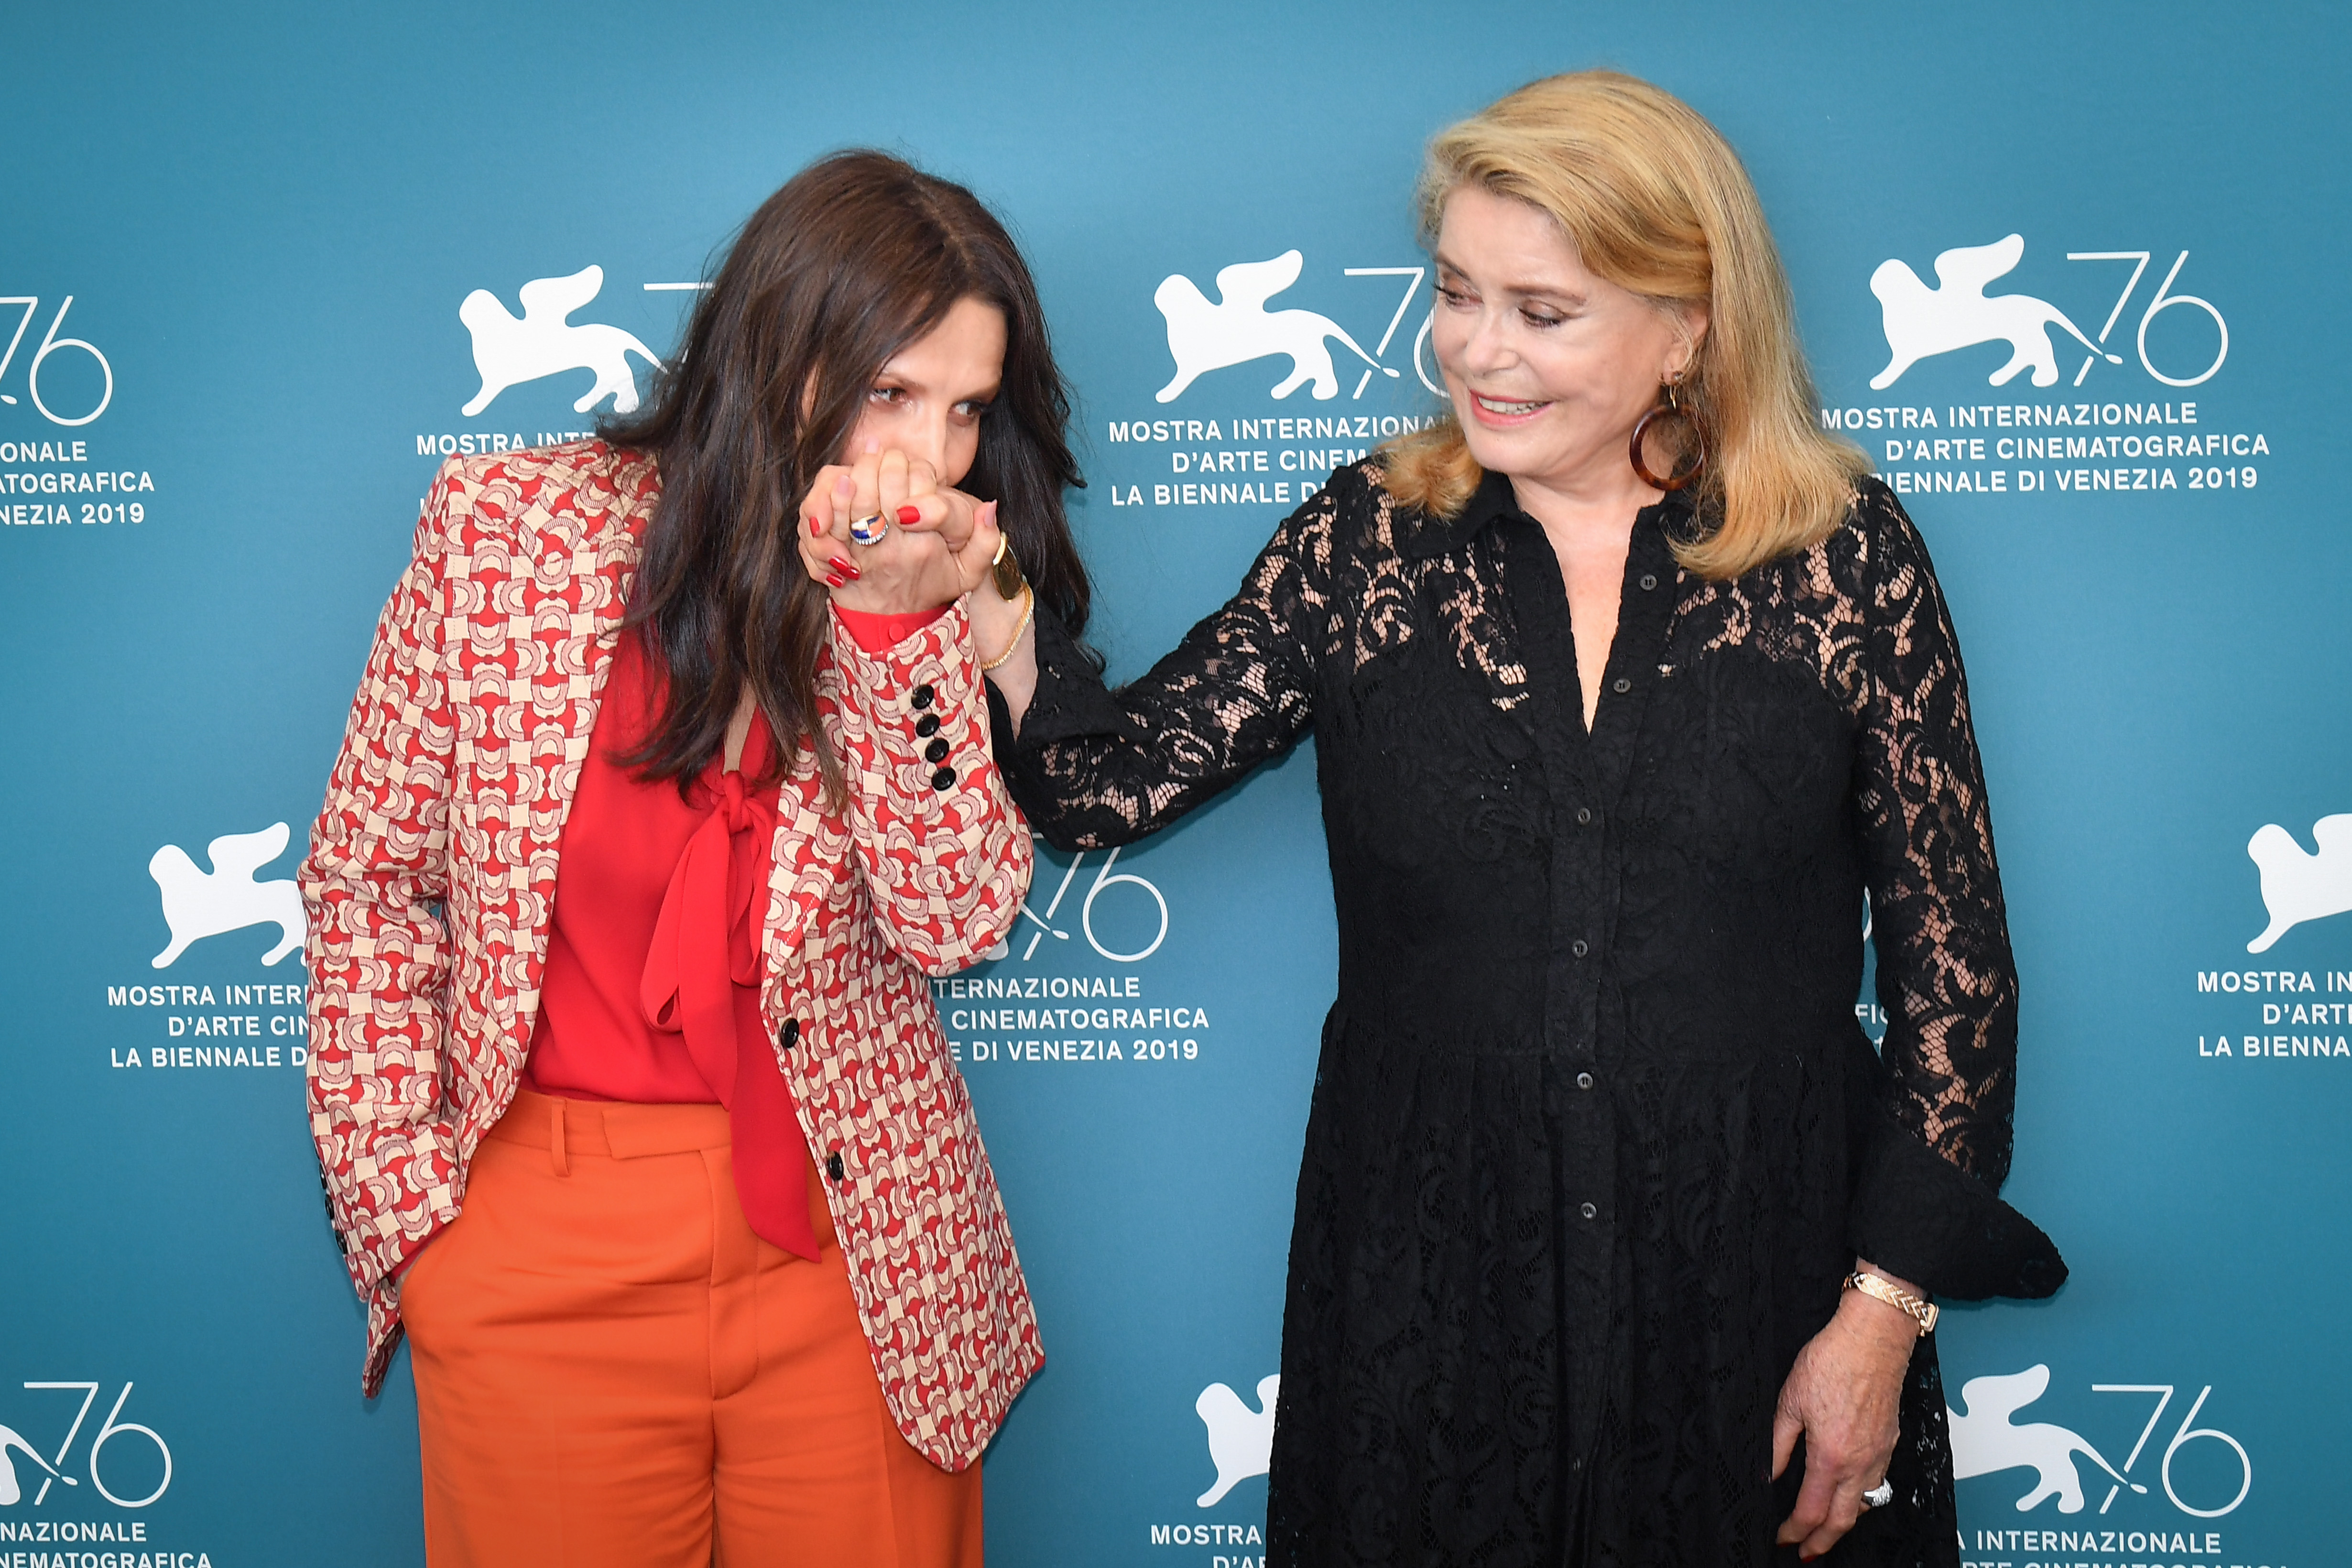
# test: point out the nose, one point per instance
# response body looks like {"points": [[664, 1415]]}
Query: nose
{"points": [[926, 436], [1487, 349]]}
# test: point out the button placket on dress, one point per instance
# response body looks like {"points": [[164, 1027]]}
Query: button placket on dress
{"points": [[1587, 773]]}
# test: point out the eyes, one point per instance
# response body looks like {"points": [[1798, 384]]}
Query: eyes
{"points": [[896, 398], [1533, 313]]}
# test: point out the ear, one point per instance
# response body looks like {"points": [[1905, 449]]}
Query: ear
{"points": [[1689, 319]]}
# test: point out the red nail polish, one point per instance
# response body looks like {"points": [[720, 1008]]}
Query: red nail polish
{"points": [[834, 580], [816, 529], [845, 569], [908, 515]]}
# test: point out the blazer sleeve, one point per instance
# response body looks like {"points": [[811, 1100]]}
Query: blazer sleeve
{"points": [[373, 889], [945, 856]]}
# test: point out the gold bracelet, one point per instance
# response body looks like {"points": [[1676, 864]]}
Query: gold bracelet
{"points": [[1919, 1310], [1028, 608]]}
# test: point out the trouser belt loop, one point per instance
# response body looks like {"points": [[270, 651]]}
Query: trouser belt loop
{"points": [[563, 1160]]}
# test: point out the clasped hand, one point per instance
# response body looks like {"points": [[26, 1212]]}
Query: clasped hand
{"points": [[937, 547]]}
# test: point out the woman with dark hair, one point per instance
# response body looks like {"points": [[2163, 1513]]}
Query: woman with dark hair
{"points": [[1615, 1238], [634, 1108]]}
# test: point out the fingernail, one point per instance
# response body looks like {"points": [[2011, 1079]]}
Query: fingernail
{"points": [[844, 567], [910, 515], [987, 512], [834, 580], [816, 529]]}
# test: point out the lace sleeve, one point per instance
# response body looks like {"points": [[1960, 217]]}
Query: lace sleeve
{"points": [[1094, 768], [1924, 1206]]}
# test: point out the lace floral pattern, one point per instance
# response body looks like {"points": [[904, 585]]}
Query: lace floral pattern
{"points": [[1595, 1134]]}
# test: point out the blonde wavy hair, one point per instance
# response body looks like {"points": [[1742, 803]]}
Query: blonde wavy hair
{"points": [[1655, 202]]}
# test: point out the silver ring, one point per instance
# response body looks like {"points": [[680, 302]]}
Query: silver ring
{"points": [[868, 529], [1879, 1496]]}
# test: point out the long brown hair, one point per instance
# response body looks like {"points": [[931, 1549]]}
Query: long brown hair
{"points": [[1656, 202], [859, 254]]}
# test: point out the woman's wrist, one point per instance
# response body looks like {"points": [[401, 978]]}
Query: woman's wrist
{"points": [[1864, 1265], [994, 619], [875, 631], [990, 662], [1887, 1304], [897, 597]]}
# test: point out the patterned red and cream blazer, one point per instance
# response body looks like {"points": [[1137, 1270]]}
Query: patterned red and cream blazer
{"points": [[431, 878]]}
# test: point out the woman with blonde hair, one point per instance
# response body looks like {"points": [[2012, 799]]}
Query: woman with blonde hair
{"points": [[1615, 1238]]}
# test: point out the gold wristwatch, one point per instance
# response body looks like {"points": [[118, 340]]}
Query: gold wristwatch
{"points": [[1006, 567]]}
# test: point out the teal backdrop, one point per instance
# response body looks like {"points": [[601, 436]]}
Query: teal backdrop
{"points": [[233, 243]]}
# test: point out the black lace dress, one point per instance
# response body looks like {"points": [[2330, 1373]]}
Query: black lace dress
{"points": [[1595, 1134]]}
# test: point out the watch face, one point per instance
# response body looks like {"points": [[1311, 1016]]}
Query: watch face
{"points": [[1008, 576]]}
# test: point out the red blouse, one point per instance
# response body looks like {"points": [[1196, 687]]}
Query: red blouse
{"points": [[651, 992]]}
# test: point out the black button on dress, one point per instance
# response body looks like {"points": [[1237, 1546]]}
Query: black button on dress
{"points": [[1595, 1134]]}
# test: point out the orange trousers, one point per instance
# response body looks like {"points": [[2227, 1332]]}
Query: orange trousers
{"points": [[612, 1368]]}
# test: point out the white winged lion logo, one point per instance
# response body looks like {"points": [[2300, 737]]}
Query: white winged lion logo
{"points": [[1203, 337], [1240, 1440], [1921, 321], [1985, 1440], [198, 903], [510, 349], [2297, 886]]}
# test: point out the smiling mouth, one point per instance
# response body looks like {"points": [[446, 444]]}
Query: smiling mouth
{"points": [[1506, 408]]}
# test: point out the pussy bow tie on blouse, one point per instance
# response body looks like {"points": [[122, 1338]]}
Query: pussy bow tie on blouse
{"points": [[705, 953], [702, 940]]}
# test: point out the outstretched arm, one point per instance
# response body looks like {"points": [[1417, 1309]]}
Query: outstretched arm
{"points": [[1094, 768]]}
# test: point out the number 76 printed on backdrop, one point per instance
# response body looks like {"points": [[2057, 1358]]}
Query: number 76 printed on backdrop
{"points": [[51, 1468], [1104, 879], [50, 343]]}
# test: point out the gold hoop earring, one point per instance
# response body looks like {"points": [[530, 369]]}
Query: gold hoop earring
{"points": [[1671, 406]]}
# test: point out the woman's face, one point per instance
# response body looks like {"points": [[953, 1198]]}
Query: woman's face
{"points": [[928, 400], [1549, 366]]}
